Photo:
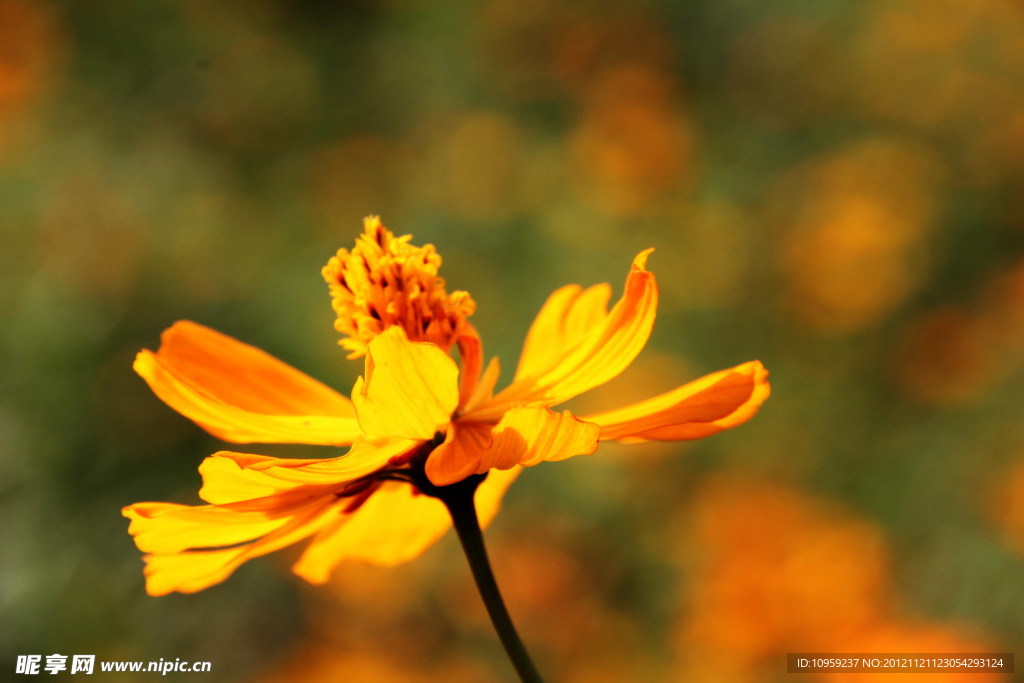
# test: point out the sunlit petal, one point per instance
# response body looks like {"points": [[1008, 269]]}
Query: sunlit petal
{"points": [[565, 319], [527, 436], [170, 528], [395, 525], [612, 342], [700, 408], [194, 570], [234, 477], [410, 389], [241, 394], [191, 571]]}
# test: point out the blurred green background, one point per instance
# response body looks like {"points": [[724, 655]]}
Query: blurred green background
{"points": [[834, 188]]}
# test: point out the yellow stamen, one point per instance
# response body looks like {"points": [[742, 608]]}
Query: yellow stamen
{"points": [[385, 281]]}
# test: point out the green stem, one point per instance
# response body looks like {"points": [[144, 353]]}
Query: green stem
{"points": [[458, 498]]}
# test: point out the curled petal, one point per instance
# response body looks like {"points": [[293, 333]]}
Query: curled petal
{"points": [[599, 345], [527, 436], [410, 389], [394, 525], [460, 455], [242, 394], [700, 408], [523, 436]]}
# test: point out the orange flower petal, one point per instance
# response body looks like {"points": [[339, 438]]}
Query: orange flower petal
{"points": [[492, 490], [484, 389], [460, 454], [393, 526], [523, 436], [471, 354], [600, 345], [189, 572], [410, 388], [527, 436], [170, 528], [565, 319], [194, 570], [227, 478], [700, 408], [262, 480], [241, 394]]}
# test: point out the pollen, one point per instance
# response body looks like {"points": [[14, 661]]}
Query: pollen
{"points": [[384, 281]]}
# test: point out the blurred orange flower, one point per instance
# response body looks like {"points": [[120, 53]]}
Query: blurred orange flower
{"points": [[31, 44], [896, 635], [1004, 504], [945, 357], [32, 48], [779, 571], [856, 223], [634, 144], [314, 662], [414, 417]]}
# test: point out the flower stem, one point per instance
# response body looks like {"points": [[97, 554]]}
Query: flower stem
{"points": [[458, 498]]}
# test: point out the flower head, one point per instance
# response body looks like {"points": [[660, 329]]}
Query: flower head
{"points": [[417, 421], [385, 281]]}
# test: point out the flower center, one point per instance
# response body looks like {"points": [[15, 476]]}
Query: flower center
{"points": [[385, 281]]}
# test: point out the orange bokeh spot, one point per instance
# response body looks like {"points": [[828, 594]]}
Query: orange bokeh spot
{"points": [[634, 144], [778, 570], [854, 224], [29, 41], [944, 358], [774, 570]]}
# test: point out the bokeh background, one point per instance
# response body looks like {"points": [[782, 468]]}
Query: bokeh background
{"points": [[834, 188]]}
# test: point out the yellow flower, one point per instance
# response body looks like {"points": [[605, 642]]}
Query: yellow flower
{"points": [[416, 420]]}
